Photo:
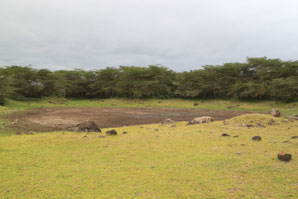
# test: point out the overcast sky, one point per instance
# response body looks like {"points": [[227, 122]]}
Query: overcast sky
{"points": [[179, 34]]}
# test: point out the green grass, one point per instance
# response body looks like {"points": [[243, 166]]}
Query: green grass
{"points": [[182, 162], [260, 106]]}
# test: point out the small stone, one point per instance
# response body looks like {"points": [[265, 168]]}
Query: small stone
{"points": [[256, 138], [111, 132], [275, 112], [249, 125], [124, 132], [284, 156], [260, 125], [84, 136], [156, 129], [173, 126], [239, 153], [235, 136], [294, 137], [196, 104], [18, 133], [286, 141], [225, 134], [271, 122], [3, 123], [101, 136]]}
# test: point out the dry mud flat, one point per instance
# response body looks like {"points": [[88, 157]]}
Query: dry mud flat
{"points": [[51, 119]]}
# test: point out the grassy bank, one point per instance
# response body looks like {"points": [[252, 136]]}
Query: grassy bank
{"points": [[173, 162]]}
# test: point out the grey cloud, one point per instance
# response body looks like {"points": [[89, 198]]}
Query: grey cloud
{"points": [[181, 35]]}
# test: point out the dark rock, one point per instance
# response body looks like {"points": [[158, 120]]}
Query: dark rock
{"points": [[249, 125], [85, 136], [225, 134], [111, 132], [230, 107], [235, 136], [284, 156], [286, 141], [196, 104], [260, 125], [124, 132], [275, 112], [88, 126], [1, 103], [294, 137], [271, 122], [18, 133], [159, 102], [256, 138]]}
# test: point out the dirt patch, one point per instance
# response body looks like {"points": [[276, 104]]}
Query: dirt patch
{"points": [[51, 119]]}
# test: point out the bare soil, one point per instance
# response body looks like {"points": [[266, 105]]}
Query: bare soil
{"points": [[51, 119]]}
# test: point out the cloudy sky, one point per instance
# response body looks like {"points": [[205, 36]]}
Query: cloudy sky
{"points": [[179, 34]]}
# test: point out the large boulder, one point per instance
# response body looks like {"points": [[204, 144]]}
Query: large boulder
{"points": [[200, 120], [275, 112], [284, 156], [88, 126]]}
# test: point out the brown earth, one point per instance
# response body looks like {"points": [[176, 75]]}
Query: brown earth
{"points": [[51, 119]]}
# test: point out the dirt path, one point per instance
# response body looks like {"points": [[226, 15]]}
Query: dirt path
{"points": [[50, 119]]}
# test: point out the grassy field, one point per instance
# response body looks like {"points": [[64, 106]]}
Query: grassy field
{"points": [[174, 162], [260, 106]]}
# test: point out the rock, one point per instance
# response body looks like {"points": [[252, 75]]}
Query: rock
{"points": [[196, 104], [284, 156], [3, 123], [18, 133], [111, 132], [159, 102], [239, 153], [235, 136], [249, 125], [286, 141], [168, 121], [124, 132], [84, 136], [173, 126], [156, 129], [294, 137], [101, 136], [256, 138], [200, 120], [88, 126], [275, 112], [271, 122], [1, 103], [225, 134], [260, 125], [54, 102], [230, 107]]}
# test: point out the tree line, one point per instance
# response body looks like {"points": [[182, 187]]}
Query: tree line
{"points": [[257, 78]]}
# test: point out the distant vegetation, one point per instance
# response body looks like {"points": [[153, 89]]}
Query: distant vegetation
{"points": [[258, 78]]}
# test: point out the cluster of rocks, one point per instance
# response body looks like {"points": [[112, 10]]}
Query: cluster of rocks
{"points": [[201, 120]]}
